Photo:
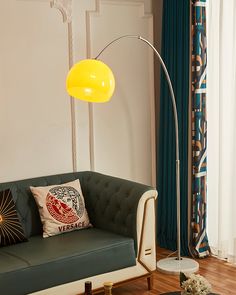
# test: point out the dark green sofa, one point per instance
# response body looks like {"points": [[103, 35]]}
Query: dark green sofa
{"points": [[60, 264]]}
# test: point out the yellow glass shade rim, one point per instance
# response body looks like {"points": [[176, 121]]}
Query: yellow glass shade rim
{"points": [[90, 80]]}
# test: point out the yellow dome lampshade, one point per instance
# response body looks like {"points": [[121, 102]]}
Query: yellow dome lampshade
{"points": [[90, 80]]}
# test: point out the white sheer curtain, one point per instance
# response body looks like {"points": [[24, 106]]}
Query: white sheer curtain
{"points": [[221, 107]]}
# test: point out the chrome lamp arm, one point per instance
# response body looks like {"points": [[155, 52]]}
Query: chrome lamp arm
{"points": [[176, 127]]}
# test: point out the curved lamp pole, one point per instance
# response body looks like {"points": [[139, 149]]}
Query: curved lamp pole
{"points": [[93, 81]]}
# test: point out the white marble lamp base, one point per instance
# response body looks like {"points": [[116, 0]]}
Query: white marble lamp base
{"points": [[173, 266]]}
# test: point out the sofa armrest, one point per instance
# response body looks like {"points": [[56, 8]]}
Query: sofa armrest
{"points": [[146, 230], [113, 204]]}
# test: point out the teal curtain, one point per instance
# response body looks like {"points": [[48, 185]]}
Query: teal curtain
{"points": [[175, 53], [199, 240]]}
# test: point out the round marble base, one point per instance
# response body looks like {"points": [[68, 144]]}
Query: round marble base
{"points": [[173, 266]]}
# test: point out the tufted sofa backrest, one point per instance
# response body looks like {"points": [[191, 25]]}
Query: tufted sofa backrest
{"points": [[111, 202]]}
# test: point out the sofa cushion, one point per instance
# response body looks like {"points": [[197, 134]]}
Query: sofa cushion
{"points": [[26, 206], [11, 231], [63, 258], [61, 207]]}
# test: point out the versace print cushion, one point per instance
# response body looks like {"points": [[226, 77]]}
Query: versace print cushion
{"points": [[11, 231], [61, 208]]}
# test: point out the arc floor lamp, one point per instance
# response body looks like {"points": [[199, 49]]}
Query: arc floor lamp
{"points": [[93, 81]]}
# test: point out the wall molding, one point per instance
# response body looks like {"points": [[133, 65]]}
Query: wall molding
{"points": [[142, 3], [137, 3], [65, 7]]}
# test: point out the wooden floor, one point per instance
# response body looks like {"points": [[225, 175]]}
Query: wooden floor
{"points": [[220, 274]]}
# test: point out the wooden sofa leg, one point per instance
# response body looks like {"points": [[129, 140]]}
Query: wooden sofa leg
{"points": [[150, 282]]}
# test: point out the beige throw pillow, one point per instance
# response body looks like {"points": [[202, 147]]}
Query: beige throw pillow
{"points": [[61, 208]]}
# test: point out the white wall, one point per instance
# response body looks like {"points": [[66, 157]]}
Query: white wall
{"points": [[34, 108], [35, 111]]}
